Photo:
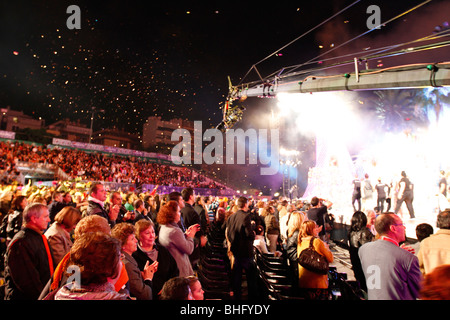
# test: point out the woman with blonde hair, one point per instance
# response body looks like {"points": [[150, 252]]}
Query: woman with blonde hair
{"points": [[295, 221], [58, 235], [308, 279]]}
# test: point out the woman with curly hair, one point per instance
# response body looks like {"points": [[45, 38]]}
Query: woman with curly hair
{"points": [[94, 258], [140, 282]]}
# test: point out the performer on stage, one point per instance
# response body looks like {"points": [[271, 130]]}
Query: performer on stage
{"points": [[381, 194], [442, 194], [406, 194], [367, 194], [356, 196]]}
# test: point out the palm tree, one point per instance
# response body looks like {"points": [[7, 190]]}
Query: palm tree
{"points": [[397, 109]]}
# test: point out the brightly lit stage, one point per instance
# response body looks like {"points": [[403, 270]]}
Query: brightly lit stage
{"points": [[337, 120]]}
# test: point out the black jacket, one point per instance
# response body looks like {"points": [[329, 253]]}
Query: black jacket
{"points": [[95, 208], [167, 267], [26, 266], [240, 234], [191, 217]]}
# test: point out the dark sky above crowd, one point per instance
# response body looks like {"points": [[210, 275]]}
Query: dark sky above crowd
{"points": [[136, 59]]}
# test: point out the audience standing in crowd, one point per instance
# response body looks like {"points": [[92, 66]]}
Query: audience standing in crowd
{"points": [[272, 228], [139, 211], [371, 216], [148, 251], [319, 208], [58, 234], [314, 283], [115, 199], [423, 231], [28, 260], [179, 244], [96, 205], [140, 283], [12, 222], [96, 256], [358, 235], [392, 273], [294, 225], [190, 218], [435, 250], [88, 224], [241, 235], [56, 205], [260, 242], [138, 255]]}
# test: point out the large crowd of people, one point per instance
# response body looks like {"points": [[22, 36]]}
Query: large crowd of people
{"points": [[72, 241], [95, 166], [109, 245]]}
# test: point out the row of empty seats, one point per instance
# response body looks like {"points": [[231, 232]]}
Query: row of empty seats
{"points": [[276, 280]]}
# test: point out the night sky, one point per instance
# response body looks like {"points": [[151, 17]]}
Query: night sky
{"points": [[136, 59]]}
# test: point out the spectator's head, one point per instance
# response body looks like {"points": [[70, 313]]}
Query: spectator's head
{"points": [[295, 222], [98, 191], [57, 196], [196, 288], [436, 285], [187, 194], [314, 201], [169, 213], [138, 204], [94, 223], [176, 196], [308, 228], [19, 203], [359, 221], [423, 230], [116, 198], [97, 255], [176, 289], [125, 233], [443, 219], [145, 232], [242, 202], [68, 217], [67, 197], [36, 216], [259, 230], [390, 225]]}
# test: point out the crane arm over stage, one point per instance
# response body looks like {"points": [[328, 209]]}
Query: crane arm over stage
{"points": [[407, 76]]}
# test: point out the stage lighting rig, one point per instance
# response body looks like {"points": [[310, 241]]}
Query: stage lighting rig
{"points": [[232, 114]]}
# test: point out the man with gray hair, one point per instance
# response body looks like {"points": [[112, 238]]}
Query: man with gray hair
{"points": [[391, 272], [28, 260]]}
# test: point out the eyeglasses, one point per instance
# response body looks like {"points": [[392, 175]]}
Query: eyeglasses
{"points": [[399, 224]]}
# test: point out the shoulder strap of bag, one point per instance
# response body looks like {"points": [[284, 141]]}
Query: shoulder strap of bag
{"points": [[311, 242]]}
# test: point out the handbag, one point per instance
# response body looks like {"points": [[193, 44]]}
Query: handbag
{"points": [[313, 261]]}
